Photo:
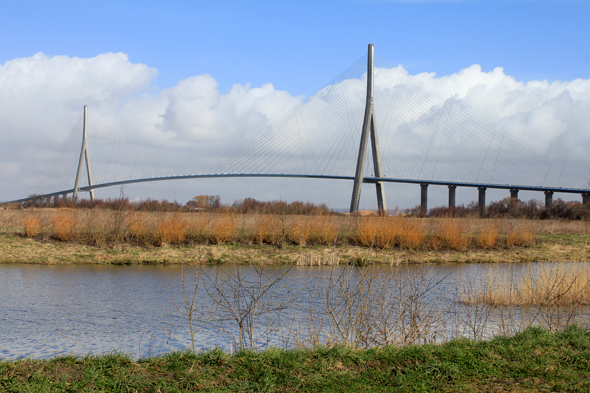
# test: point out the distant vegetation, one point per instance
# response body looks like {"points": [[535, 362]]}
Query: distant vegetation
{"points": [[508, 207]]}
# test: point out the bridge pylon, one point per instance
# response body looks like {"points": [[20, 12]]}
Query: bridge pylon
{"points": [[369, 127], [84, 155]]}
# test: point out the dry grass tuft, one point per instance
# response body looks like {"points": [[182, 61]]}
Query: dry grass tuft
{"points": [[488, 235], [453, 234], [323, 229], [224, 228], [366, 231], [171, 229], [412, 234], [64, 224], [32, 225], [520, 234], [138, 226], [269, 229], [299, 230]]}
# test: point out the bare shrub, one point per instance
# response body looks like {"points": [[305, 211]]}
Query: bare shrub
{"points": [[389, 230], [340, 308], [248, 309], [299, 230], [63, 224], [224, 228], [472, 317], [171, 229], [411, 235], [371, 306], [366, 231], [453, 235], [32, 225], [189, 308], [269, 229], [323, 229], [138, 225], [488, 235]]}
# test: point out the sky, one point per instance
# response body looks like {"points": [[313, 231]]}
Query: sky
{"points": [[192, 78]]}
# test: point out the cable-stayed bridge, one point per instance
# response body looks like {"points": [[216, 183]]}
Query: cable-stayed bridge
{"points": [[374, 123]]}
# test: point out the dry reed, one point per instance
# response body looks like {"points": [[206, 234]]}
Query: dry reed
{"points": [[488, 235], [541, 285], [323, 229], [519, 234], [32, 225], [64, 224], [299, 230], [224, 228], [411, 235], [453, 235], [171, 229]]}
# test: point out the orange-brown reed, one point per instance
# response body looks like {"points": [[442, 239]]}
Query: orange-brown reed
{"points": [[269, 229], [487, 236], [101, 226], [299, 230], [32, 225], [323, 229], [224, 228], [171, 229], [139, 227], [452, 234], [64, 224], [412, 234]]}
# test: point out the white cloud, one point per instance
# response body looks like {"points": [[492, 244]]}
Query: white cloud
{"points": [[188, 125]]}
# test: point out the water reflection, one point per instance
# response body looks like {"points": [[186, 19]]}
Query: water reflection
{"points": [[79, 309]]}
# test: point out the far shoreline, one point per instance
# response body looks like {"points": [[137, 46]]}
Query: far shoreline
{"points": [[15, 248]]}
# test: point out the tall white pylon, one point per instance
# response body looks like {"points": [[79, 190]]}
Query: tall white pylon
{"points": [[84, 155], [369, 127]]}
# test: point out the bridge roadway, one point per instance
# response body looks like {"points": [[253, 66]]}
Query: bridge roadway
{"points": [[423, 183]]}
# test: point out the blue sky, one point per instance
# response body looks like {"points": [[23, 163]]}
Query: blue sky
{"points": [[300, 45], [297, 46]]}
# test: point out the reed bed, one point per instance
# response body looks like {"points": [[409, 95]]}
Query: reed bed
{"points": [[103, 227], [556, 284]]}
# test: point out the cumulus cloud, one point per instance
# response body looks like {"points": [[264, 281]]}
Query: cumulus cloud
{"points": [[191, 124]]}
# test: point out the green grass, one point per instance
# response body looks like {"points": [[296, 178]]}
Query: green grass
{"points": [[534, 360]]}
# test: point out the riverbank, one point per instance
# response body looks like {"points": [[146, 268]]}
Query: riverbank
{"points": [[533, 360], [94, 236], [17, 248]]}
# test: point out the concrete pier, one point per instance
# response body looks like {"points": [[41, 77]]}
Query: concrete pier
{"points": [[548, 199], [424, 197], [514, 193], [482, 200], [452, 189], [586, 198]]}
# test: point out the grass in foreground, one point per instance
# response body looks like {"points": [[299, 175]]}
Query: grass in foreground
{"points": [[534, 360]]}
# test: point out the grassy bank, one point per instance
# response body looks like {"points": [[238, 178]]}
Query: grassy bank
{"points": [[534, 360]]}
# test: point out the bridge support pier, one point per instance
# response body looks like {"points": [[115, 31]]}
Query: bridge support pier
{"points": [[424, 199], [369, 128], [452, 189], [514, 193], [548, 199], [482, 200], [84, 155], [586, 198]]}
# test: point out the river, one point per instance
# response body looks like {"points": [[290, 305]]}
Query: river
{"points": [[48, 310]]}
